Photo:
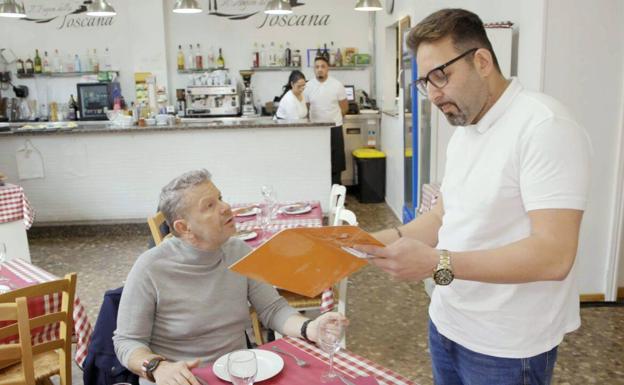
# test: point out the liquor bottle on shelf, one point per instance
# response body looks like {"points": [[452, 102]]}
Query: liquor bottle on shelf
{"points": [[46, 63], [180, 58], [87, 62], [255, 56], [69, 63], [73, 108], [319, 51], [332, 55], [57, 63], [264, 57], [190, 58], [338, 58], [326, 53], [21, 70], [296, 59], [38, 66], [220, 60], [281, 55], [96, 61], [272, 55], [77, 64], [288, 56], [199, 60], [29, 66], [107, 60], [210, 58]]}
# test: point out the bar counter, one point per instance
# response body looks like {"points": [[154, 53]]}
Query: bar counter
{"points": [[97, 173]]}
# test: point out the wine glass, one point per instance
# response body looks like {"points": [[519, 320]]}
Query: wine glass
{"points": [[331, 333], [242, 367]]}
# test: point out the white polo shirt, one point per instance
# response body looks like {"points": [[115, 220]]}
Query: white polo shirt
{"points": [[324, 98], [527, 153]]}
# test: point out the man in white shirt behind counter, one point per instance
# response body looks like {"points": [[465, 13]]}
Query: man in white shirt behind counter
{"points": [[327, 101]]}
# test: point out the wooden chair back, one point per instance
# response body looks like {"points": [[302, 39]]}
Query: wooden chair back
{"points": [[154, 223], [22, 350], [62, 345]]}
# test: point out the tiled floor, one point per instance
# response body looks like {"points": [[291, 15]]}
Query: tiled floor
{"points": [[388, 318]]}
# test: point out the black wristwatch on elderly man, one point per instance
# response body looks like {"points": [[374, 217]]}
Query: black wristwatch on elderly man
{"points": [[149, 366]]}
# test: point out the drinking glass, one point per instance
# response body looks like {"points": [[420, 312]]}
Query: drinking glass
{"points": [[3, 259], [242, 367], [269, 206], [331, 333]]}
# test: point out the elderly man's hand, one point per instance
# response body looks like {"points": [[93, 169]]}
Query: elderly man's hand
{"points": [[176, 373], [313, 327], [406, 259]]}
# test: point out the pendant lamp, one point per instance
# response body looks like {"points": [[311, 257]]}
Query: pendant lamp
{"points": [[368, 5], [187, 6], [278, 7], [100, 8], [11, 8]]}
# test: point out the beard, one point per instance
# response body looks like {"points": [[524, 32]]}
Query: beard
{"points": [[455, 118]]}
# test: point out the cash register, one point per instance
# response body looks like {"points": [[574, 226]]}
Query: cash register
{"points": [[353, 105]]}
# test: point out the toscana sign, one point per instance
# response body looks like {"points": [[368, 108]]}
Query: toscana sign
{"points": [[238, 10], [67, 14]]}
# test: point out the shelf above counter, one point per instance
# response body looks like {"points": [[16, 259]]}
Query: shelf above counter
{"points": [[201, 71], [64, 74], [274, 68]]}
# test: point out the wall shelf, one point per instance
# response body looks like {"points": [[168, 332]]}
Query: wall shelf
{"points": [[351, 68], [201, 71], [274, 68], [63, 74]]}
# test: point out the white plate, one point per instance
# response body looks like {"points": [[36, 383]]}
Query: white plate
{"points": [[246, 235], [246, 211], [295, 209], [269, 364]]}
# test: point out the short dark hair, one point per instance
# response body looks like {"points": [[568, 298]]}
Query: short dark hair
{"points": [[464, 27], [323, 58]]}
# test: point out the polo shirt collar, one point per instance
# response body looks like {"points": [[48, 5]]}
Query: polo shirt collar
{"points": [[500, 107]]}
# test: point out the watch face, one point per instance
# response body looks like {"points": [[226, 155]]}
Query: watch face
{"points": [[389, 6], [443, 277]]}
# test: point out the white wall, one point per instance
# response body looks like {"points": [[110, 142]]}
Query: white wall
{"points": [[584, 61], [345, 27], [135, 38], [573, 51]]}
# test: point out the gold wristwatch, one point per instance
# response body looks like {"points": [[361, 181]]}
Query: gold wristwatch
{"points": [[443, 274]]}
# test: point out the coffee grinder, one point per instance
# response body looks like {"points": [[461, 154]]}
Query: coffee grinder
{"points": [[248, 107]]}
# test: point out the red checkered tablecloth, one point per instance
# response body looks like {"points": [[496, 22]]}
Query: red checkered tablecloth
{"points": [[15, 206], [313, 218], [23, 274], [355, 368]]}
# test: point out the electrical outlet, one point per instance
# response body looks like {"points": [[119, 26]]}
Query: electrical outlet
{"points": [[5, 77]]}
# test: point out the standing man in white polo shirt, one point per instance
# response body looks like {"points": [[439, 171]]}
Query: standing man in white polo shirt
{"points": [[502, 239], [327, 101]]}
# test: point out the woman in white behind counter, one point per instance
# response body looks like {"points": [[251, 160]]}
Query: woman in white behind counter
{"points": [[292, 104]]}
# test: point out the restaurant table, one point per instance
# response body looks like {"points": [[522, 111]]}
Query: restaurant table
{"points": [[22, 274], [313, 218], [355, 368], [16, 216]]}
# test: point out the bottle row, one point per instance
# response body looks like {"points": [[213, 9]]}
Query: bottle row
{"points": [[275, 56], [193, 59], [66, 62]]}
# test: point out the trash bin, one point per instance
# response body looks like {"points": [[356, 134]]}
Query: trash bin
{"points": [[370, 174]]}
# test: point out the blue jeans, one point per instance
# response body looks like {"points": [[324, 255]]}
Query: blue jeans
{"points": [[453, 364]]}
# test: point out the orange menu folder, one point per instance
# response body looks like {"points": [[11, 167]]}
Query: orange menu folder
{"points": [[306, 260]]}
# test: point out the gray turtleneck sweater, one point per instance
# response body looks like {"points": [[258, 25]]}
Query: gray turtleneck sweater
{"points": [[183, 303]]}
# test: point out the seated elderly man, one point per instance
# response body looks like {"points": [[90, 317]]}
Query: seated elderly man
{"points": [[181, 304]]}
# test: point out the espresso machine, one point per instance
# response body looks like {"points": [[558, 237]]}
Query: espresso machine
{"points": [[203, 101], [248, 107]]}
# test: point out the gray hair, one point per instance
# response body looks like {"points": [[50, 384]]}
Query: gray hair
{"points": [[172, 203]]}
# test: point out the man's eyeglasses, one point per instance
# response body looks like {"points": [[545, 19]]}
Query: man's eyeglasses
{"points": [[436, 76]]}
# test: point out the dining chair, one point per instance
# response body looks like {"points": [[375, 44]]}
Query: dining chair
{"points": [[345, 215], [337, 197], [53, 356], [155, 223], [18, 351]]}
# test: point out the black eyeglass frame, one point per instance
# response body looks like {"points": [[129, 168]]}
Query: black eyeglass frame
{"points": [[421, 83]]}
